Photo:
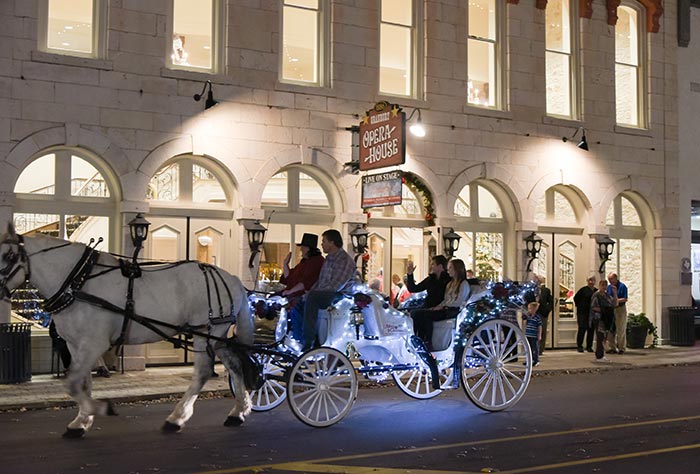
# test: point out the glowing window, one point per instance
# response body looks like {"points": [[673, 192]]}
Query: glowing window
{"points": [[482, 53], [205, 186], [193, 35], [311, 194], [164, 185], [627, 66], [488, 206], [38, 177], [85, 180], [558, 57], [301, 36], [396, 52], [275, 192], [70, 26]]}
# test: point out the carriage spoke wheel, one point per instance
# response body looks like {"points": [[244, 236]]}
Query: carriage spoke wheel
{"points": [[322, 387], [496, 365], [274, 391], [418, 383]]}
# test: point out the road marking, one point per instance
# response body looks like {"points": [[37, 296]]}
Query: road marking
{"points": [[602, 459], [338, 469], [326, 461]]}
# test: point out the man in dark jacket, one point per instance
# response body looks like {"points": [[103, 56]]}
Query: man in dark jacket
{"points": [[434, 284], [546, 304], [582, 300]]}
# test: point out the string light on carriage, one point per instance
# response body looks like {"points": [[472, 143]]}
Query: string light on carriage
{"points": [[256, 237]]}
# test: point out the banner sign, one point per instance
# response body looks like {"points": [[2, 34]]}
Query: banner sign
{"points": [[382, 133], [381, 189]]}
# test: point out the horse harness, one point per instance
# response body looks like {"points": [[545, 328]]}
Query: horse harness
{"points": [[71, 290]]}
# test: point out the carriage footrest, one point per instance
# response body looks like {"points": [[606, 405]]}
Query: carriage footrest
{"points": [[428, 358]]}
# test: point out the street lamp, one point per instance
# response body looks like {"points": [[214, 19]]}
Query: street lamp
{"points": [[533, 244], [256, 237], [606, 245], [450, 241]]}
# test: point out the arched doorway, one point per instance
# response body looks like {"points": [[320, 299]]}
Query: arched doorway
{"points": [[562, 262]]}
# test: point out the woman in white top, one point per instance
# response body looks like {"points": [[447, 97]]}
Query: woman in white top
{"points": [[456, 294]]}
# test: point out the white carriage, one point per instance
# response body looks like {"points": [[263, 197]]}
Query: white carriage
{"points": [[361, 334]]}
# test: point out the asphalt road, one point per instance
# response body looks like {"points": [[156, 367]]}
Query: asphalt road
{"points": [[641, 421]]}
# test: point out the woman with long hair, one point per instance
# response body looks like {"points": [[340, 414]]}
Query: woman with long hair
{"points": [[456, 294]]}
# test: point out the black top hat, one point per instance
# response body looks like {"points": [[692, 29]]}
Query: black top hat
{"points": [[309, 240]]}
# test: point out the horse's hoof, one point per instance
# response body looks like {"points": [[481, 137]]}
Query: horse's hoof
{"points": [[74, 433], [171, 427], [110, 409], [233, 421]]}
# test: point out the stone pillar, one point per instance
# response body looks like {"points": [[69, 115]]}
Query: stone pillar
{"points": [[7, 204]]}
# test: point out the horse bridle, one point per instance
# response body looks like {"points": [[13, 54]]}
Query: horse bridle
{"points": [[11, 259]]}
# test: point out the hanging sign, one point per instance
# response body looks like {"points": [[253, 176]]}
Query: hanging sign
{"points": [[381, 189], [382, 133]]}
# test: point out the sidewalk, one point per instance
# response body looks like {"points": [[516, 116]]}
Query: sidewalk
{"points": [[45, 391]]}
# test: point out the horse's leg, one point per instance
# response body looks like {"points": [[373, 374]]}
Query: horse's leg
{"points": [[202, 371], [79, 386], [242, 404]]}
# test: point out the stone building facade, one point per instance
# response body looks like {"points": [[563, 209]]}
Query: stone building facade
{"points": [[277, 149]]}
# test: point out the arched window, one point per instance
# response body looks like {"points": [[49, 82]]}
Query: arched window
{"points": [[188, 180], [300, 201], [554, 206], [64, 193], [627, 229], [482, 226], [68, 194]]}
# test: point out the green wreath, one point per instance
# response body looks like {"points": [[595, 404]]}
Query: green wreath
{"points": [[417, 186]]}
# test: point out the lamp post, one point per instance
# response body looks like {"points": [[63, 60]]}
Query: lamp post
{"points": [[450, 241], [606, 245], [358, 238], [533, 245], [256, 237]]}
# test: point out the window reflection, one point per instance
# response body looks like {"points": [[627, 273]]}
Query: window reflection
{"points": [[193, 35]]}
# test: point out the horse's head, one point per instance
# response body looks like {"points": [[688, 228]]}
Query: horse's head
{"points": [[13, 258]]}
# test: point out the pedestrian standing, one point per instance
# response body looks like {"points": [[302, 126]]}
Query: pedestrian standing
{"points": [[582, 300], [602, 305], [546, 304], [533, 330], [617, 341]]}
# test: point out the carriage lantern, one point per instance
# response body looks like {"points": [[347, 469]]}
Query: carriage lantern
{"points": [[606, 245], [533, 244], [138, 227], [256, 237], [450, 242]]}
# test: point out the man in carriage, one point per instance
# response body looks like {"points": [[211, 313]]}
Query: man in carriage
{"points": [[337, 276]]}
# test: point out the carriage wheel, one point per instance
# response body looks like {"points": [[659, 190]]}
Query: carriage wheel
{"points": [[273, 392], [418, 383], [322, 387], [496, 365]]}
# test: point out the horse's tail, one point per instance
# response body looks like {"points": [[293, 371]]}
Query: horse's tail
{"points": [[245, 327]]}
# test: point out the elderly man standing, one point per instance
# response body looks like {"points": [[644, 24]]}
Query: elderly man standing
{"points": [[617, 341], [582, 300], [337, 275]]}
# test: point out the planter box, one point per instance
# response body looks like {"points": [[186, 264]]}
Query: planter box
{"points": [[636, 337]]}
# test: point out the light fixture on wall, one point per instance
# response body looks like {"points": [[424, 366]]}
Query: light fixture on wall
{"points": [[358, 239], [606, 245], [138, 229], [533, 245], [204, 240], [450, 242], [210, 102], [256, 237], [417, 128], [583, 144]]}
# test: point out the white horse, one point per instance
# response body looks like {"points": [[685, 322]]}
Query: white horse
{"points": [[180, 295]]}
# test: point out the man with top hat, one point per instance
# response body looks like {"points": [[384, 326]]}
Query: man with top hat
{"points": [[301, 278]]}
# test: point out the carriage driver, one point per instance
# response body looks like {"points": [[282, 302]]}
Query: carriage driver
{"points": [[337, 275]]}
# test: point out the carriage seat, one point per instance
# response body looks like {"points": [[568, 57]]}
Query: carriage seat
{"points": [[442, 334]]}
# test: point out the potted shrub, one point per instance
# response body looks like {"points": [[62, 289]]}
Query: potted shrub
{"points": [[638, 327]]}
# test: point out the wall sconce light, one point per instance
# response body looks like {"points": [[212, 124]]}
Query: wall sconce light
{"points": [[533, 245], [256, 237], [210, 102], [204, 240], [450, 241], [606, 245], [583, 144], [358, 238], [138, 228], [417, 128]]}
